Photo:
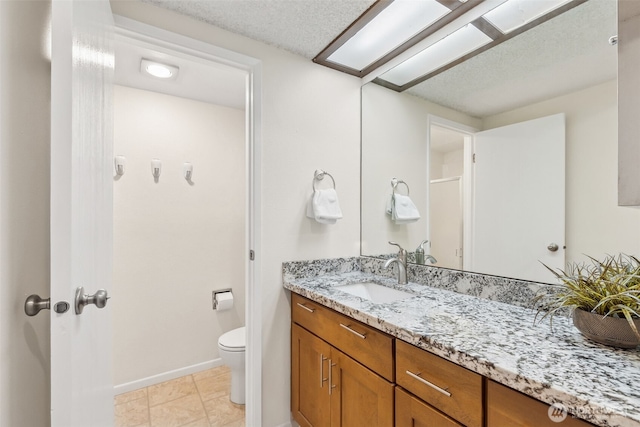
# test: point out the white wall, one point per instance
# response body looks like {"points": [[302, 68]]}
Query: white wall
{"points": [[174, 242], [310, 120], [25, 76], [595, 224], [394, 135]]}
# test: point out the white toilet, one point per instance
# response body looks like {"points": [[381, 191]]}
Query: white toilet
{"points": [[232, 346]]}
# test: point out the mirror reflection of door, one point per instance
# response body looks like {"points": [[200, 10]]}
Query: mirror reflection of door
{"points": [[446, 166]]}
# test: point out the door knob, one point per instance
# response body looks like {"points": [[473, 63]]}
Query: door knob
{"points": [[553, 247], [34, 304], [99, 299]]}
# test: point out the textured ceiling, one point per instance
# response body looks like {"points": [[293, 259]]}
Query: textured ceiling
{"points": [[565, 54], [303, 27]]}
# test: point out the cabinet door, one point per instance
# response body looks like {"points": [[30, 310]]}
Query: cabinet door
{"points": [[359, 397], [310, 400], [413, 412]]}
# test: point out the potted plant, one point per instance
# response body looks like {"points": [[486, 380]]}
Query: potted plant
{"points": [[604, 296]]}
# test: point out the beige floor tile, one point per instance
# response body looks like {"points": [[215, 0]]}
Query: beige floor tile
{"points": [[171, 390], [213, 372], [178, 412], [132, 395], [222, 411], [238, 423], [132, 413], [212, 387]]}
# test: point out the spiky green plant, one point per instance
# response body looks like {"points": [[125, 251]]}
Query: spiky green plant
{"points": [[610, 287]]}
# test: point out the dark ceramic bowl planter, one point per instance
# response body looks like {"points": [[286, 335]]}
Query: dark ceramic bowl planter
{"points": [[612, 331]]}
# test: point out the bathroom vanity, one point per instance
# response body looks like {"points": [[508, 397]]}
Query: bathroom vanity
{"points": [[437, 357]]}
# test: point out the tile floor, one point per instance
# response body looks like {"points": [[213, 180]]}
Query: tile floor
{"points": [[198, 400]]}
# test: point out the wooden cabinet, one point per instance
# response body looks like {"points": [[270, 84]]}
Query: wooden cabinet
{"points": [[343, 373], [450, 388], [329, 387], [509, 408]]}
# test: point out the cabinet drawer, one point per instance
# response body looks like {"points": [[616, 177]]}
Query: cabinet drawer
{"points": [[413, 412], [509, 408], [450, 388], [372, 348]]}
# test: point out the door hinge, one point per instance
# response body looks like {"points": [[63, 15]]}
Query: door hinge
{"points": [[474, 157], [252, 255]]}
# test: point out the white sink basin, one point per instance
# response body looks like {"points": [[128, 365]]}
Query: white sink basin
{"points": [[374, 292]]}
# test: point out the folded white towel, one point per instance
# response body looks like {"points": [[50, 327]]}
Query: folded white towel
{"points": [[324, 206], [403, 210]]}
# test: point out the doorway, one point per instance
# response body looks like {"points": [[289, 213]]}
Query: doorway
{"points": [[222, 176], [450, 158]]}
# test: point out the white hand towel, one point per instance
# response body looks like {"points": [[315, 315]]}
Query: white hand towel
{"points": [[404, 211], [325, 206], [311, 215]]}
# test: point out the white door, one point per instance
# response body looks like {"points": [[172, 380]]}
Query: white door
{"points": [[81, 210], [519, 199]]}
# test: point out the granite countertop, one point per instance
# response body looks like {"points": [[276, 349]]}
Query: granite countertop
{"points": [[498, 340]]}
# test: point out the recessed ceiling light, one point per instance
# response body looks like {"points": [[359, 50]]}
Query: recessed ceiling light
{"points": [[159, 70]]}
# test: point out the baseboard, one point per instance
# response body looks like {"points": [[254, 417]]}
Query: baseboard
{"points": [[166, 376]]}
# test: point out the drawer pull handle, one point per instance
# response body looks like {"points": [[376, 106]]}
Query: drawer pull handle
{"points": [[310, 310], [417, 377], [363, 336]]}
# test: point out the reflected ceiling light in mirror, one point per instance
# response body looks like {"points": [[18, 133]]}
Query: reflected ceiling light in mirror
{"points": [[528, 14], [516, 13], [442, 52], [394, 25], [159, 70], [387, 29]]}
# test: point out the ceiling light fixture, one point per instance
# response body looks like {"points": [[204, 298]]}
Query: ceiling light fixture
{"points": [[159, 70], [386, 29], [391, 27], [500, 24]]}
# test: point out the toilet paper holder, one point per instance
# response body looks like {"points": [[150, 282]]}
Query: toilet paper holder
{"points": [[214, 296]]}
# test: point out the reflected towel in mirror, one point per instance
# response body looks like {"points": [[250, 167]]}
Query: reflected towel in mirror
{"points": [[324, 206], [403, 210]]}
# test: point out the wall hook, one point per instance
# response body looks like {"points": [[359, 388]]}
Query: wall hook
{"points": [[187, 170], [156, 167], [119, 163]]}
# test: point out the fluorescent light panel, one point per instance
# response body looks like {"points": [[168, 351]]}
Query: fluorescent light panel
{"points": [[516, 13], [397, 23], [439, 54]]}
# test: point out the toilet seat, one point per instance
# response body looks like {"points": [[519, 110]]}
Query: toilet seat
{"points": [[234, 340]]}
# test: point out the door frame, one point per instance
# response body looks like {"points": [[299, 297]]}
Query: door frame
{"points": [[164, 39], [467, 179]]}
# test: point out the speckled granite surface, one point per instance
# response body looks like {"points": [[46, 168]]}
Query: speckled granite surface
{"points": [[495, 339]]}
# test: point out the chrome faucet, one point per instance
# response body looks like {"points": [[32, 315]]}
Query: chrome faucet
{"points": [[401, 261]]}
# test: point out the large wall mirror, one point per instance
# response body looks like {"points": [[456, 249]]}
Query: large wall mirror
{"points": [[558, 79]]}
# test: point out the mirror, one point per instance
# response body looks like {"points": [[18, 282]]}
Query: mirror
{"points": [[565, 65]]}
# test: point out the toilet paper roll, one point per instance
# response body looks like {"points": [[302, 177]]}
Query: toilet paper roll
{"points": [[224, 301]]}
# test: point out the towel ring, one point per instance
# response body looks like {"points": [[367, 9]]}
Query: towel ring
{"points": [[395, 182], [318, 175]]}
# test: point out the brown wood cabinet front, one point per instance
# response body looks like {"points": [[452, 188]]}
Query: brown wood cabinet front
{"points": [[450, 388], [413, 412], [510, 408], [367, 345], [328, 388]]}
